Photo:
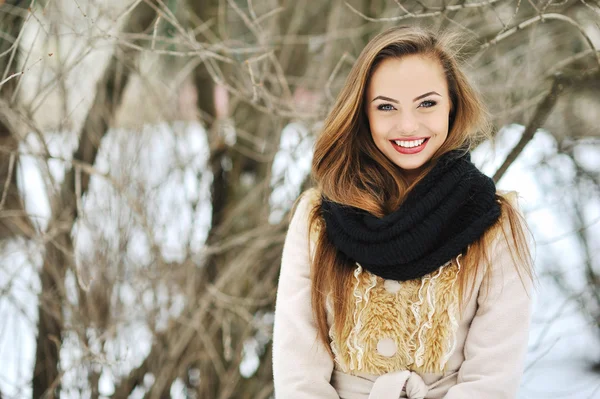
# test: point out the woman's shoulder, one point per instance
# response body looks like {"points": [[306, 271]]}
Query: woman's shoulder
{"points": [[312, 196], [305, 207], [512, 231], [510, 215], [511, 210], [307, 201], [511, 196], [510, 205]]}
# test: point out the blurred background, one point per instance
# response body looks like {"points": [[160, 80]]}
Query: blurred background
{"points": [[150, 152]]}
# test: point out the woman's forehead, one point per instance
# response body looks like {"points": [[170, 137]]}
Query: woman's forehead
{"points": [[408, 75]]}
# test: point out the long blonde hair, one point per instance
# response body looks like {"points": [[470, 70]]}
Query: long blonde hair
{"points": [[349, 169]]}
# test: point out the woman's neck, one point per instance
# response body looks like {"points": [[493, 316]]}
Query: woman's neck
{"points": [[410, 175]]}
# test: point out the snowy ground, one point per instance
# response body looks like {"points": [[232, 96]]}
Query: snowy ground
{"points": [[562, 344]]}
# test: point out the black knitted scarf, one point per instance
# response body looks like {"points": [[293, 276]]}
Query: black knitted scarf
{"points": [[445, 212]]}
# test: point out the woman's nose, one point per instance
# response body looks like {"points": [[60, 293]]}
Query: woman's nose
{"points": [[407, 123]]}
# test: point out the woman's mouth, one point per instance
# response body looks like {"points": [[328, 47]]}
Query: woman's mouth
{"points": [[409, 146]]}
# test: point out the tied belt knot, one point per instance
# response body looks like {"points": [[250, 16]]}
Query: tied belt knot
{"points": [[390, 386]]}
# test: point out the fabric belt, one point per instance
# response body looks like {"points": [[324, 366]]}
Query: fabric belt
{"points": [[386, 386], [390, 386]]}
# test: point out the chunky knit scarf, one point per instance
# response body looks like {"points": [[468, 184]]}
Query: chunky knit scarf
{"points": [[445, 212]]}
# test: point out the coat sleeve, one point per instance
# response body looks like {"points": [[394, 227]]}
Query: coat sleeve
{"points": [[302, 367], [496, 343]]}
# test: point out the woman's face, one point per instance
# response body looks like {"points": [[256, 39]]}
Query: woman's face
{"points": [[408, 106]]}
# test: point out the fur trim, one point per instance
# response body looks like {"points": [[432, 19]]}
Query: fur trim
{"points": [[420, 317]]}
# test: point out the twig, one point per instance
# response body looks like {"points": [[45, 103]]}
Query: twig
{"points": [[335, 71], [199, 52], [46, 90], [208, 345], [541, 355], [570, 233], [596, 10], [79, 7], [554, 318], [11, 165], [423, 15], [403, 8], [269, 14], [541, 18], [452, 21], [545, 6], [254, 83], [279, 72], [128, 10], [392, 19], [519, 107], [567, 61], [251, 10], [512, 17], [537, 10], [154, 31], [227, 349], [14, 75], [78, 191], [249, 24], [184, 34], [591, 276], [29, 51], [15, 47], [231, 300], [167, 10]]}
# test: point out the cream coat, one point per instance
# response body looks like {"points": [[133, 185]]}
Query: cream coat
{"points": [[486, 361]]}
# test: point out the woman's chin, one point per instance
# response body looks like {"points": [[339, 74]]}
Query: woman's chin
{"points": [[410, 168]]}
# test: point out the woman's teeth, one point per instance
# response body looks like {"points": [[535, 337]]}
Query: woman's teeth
{"points": [[409, 144]]}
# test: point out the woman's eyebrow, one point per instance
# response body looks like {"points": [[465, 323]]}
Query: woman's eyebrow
{"points": [[385, 98], [425, 95], [396, 101]]}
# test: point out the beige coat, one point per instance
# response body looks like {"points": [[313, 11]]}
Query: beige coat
{"points": [[405, 341]]}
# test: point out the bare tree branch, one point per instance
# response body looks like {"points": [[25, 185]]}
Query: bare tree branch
{"points": [[541, 18], [559, 84], [456, 7], [538, 119]]}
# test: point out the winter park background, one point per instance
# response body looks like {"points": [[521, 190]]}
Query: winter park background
{"points": [[150, 152]]}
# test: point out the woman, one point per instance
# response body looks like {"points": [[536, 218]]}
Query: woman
{"points": [[405, 274]]}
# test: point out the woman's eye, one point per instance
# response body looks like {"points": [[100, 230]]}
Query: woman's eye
{"points": [[427, 104], [385, 107]]}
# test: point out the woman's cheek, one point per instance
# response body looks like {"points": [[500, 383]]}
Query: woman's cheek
{"points": [[383, 126]]}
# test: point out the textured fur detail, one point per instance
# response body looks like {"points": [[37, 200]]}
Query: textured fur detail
{"points": [[420, 317]]}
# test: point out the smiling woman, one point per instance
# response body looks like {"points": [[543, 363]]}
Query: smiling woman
{"points": [[405, 273], [408, 108]]}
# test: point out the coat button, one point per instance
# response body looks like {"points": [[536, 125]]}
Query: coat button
{"points": [[391, 286], [386, 347]]}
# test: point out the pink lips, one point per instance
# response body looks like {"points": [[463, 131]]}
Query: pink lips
{"points": [[412, 150]]}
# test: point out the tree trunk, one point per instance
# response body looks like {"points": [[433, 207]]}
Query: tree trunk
{"points": [[59, 256]]}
